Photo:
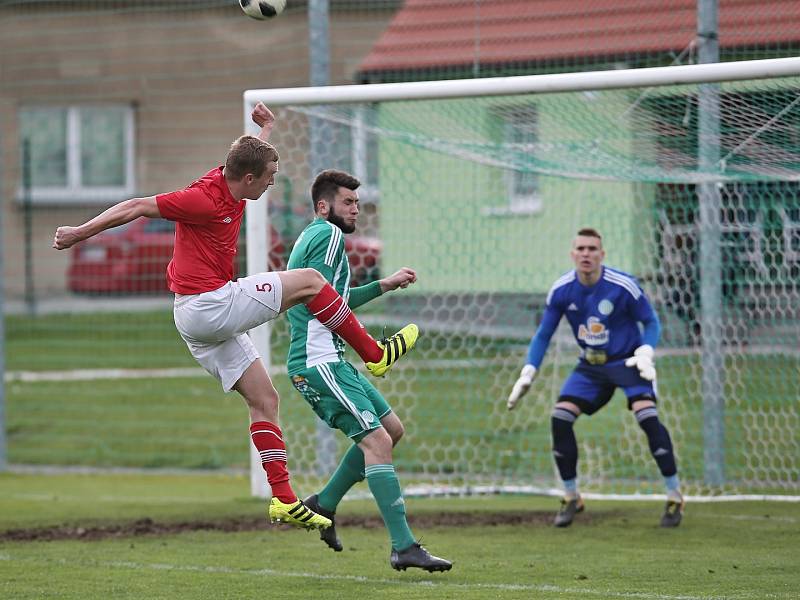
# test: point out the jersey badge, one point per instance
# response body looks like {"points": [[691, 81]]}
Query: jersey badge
{"points": [[572, 307], [606, 307], [301, 385]]}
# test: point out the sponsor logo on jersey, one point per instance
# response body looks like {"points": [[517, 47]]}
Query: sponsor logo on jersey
{"points": [[572, 307], [593, 333], [227, 220], [606, 307]]}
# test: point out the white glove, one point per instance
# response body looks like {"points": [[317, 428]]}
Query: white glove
{"points": [[522, 385], [642, 359]]}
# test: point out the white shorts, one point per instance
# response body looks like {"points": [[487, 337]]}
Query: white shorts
{"points": [[214, 324]]}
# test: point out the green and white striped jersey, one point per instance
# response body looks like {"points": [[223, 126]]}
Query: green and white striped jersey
{"points": [[320, 247]]}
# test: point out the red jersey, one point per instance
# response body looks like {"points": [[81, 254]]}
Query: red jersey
{"points": [[207, 220]]}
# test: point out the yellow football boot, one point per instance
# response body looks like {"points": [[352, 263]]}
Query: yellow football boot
{"points": [[394, 347], [297, 514]]}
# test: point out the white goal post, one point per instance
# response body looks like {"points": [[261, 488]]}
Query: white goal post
{"points": [[714, 474]]}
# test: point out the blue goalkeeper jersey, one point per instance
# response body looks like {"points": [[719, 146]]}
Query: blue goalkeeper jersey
{"points": [[612, 317]]}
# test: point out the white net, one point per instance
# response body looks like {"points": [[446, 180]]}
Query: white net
{"points": [[483, 195]]}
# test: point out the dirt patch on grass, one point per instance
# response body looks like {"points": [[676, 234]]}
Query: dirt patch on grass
{"points": [[148, 526]]}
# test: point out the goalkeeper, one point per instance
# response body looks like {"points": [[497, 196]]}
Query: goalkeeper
{"points": [[340, 395], [616, 329]]}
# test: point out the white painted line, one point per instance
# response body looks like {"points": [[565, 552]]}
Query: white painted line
{"points": [[441, 583], [95, 374]]}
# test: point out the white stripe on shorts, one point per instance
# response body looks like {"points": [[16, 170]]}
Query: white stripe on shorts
{"points": [[330, 380]]}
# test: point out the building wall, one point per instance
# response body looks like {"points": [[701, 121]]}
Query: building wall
{"points": [[450, 198], [184, 72]]}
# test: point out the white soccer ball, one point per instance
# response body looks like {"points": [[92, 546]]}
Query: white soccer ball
{"points": [[262, 9]]}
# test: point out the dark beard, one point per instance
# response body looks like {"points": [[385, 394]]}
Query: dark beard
{"points": [[339, 222]]}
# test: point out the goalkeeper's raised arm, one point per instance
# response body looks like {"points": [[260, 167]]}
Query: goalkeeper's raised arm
{"points": [[616, 330]]}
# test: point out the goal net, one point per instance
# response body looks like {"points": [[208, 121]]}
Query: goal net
{"points": [[691, 174]]}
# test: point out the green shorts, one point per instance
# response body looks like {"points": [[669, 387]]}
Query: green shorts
{"points": [[342, 397]]}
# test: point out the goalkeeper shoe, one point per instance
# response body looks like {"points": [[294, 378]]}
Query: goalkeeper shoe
{"points": [[297, 514], [394, 348], [327, 535], [417, 556], [569, 508], [673, 511]]}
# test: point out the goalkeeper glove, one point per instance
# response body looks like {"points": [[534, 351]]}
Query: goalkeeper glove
{"points": [[642, 359], [522, 385]]}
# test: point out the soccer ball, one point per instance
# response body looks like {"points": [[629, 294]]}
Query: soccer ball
{"points": [[262, 9]]}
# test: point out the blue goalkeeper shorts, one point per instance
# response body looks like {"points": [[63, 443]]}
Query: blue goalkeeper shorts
{"points": [[590, 387]]}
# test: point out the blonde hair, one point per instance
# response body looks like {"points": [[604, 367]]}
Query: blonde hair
{"points": [[248, 154]]}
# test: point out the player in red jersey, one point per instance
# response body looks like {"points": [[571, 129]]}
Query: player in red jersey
{"points": [[213, 313]]}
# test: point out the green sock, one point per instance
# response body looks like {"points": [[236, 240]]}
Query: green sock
{"points": [[385, 488], [349, 472]]}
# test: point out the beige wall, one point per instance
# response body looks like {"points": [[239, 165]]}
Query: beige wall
{"points": [[183, 71]]}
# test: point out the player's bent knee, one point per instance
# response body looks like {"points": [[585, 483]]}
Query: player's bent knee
{"points": [[640, 402], [397, 434], [570, 406], [300, 286], [394, 427], [377, 447]]}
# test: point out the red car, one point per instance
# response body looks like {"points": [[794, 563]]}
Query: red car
{"points": [[133, 258]]}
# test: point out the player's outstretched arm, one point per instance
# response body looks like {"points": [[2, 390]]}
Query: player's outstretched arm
{"points": [[263, 117], [536, 351], [119, 214], [521, 385], [400, 279]]}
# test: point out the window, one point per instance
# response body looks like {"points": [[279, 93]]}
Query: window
{"points": [[519, 134], [77, 154]]}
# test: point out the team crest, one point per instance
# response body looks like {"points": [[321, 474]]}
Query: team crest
{"points": [[367, 416], [300, 383], [606, 307]]}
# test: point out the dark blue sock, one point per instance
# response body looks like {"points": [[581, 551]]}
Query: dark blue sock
{"points": [[658, 438], [565, 447]]}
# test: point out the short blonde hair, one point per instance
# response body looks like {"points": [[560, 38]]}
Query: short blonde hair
{"points": [[248, 154]]}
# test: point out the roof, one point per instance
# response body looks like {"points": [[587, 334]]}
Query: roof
{"points": [[428, 34]]}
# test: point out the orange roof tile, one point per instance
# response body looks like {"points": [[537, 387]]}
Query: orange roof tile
{"points": [[451, 33]]}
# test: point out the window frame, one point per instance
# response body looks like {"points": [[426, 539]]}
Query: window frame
{"points": [[510, 116], [74, 192]]}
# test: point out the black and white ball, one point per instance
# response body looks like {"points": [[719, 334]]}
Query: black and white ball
{"points": [[262, 9]]}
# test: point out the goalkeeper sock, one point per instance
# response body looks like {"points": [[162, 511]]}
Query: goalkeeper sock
{"points": [[268, 440], [565, 447], [658, 439], [332, 311], [349, 472], [385, 489]]}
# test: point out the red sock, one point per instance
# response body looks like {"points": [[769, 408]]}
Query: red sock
{"points": [[332, 311], [268, 440]]}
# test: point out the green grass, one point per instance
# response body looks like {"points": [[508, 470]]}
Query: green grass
{"points": [[135, 340], [614, 550], [456, 422]]}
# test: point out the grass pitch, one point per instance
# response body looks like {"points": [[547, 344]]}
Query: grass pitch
{"points": [[201, 537]]}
